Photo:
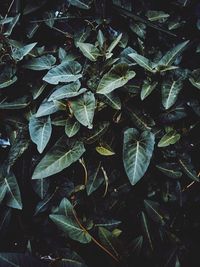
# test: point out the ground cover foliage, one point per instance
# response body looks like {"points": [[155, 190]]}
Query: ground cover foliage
{"points": [[99, 133]]}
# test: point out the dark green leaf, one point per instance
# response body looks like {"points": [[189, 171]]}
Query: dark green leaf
{"points": [[83, 108], [118, 76], [59, 157], [65, 72], [66, 221], [40, 131], [137, 153], [170, 90], [41, 63]]}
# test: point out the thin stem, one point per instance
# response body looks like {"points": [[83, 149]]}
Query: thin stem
{"points": [[93, 239]]}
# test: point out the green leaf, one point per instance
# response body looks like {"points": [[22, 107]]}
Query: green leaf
{"points": [[118, 76], [188, 169], [65, 72], [140, 120], [169, 138], [8, 77], [195, 78], [40, 130], [65, 220], [67, 91], [89, 50], [137, 153], [147, 88], [18, 53], [124, 56], [101, 39], [170, 90], [19, 103], [19, 260], [81, 35], [155, 212], [83, 108], [95, 178], [108, 240], [19, 145], [114, 44], [138, 28], [170, 169], [169, 58], [11, 25], [38, 89], [60, 156], [46, 202], [154, 15], [46, 108], [9, 185], [41, 63], [41, 186], [83, 4], [71, 127], [143, 62], [99, 130], [112, 100], [105, 150]]}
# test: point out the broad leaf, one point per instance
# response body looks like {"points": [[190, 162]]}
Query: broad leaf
{"points": [[66, 221], [41, 63], [169, 138], [19, 103], [188, 168], [101, 39], [118, 76], [112, 100], [137, 153], [71, 127], [143, 62], [147, 89], [99, 130], [105, 150], [59, 157], [170, 90], [108, 240], [95, 178], [83, 108], [154, 15], [155, 212], [140, 120], [40, 131], [138, 28], [114, 43], [172, 54], [19, 53], [170, 169], [10, 190], [41, 187], [65, 72], [46, 108], [8, 77], [89, 50], [67, 91]]}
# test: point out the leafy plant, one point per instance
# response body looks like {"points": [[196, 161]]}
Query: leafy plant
{"points": [[99, 126]]}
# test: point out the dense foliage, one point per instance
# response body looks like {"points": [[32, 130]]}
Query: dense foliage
{"points": [[99, 133]]}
